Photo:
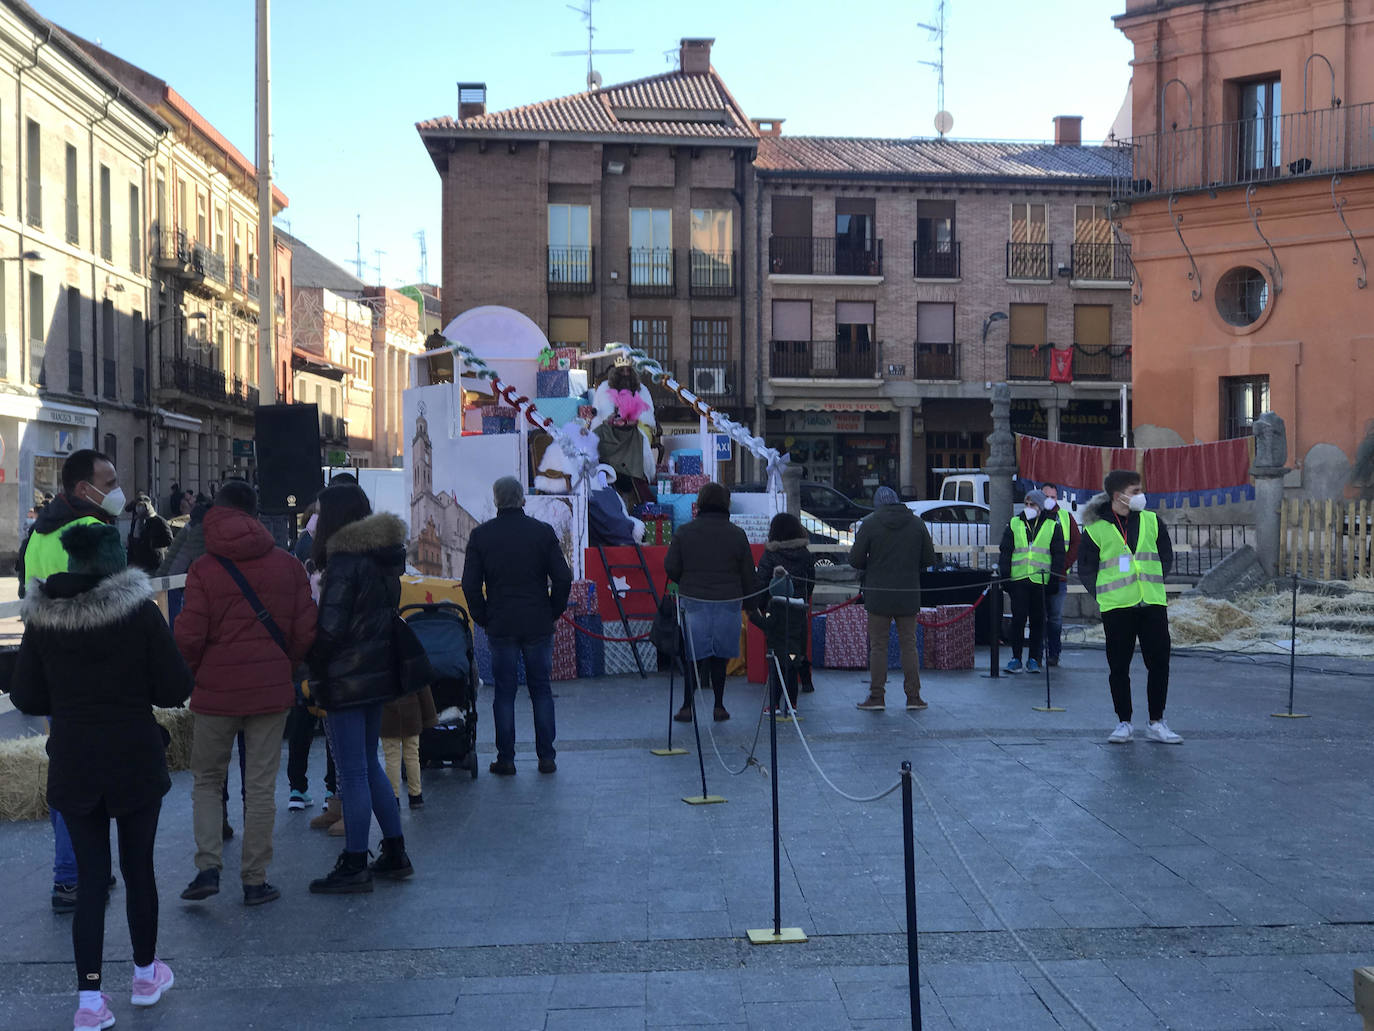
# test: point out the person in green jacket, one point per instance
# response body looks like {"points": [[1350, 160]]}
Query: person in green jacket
{"points": [[891, 548], [90, 496]]}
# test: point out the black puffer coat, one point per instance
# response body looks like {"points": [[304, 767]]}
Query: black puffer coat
{"points": [[354, 659], [96, 656], [710, 560]]}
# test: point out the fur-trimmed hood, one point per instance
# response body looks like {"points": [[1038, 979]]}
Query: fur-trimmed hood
{"points": [[1098, 508], [799, 542], [110, 600], [379, 531]]}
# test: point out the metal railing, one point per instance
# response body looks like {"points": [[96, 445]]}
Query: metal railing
{"points": [[935, 261], [823, 256], [1029, 260], [1109, 363], [572, 270], [1027, 362], [207, 383], [712, 273], [937, 361], [208, 262], [653, 272], [826, 359], [250, 287], [171, 246], [333, 427], [1251, 150], [236, 275], [1101, 262]]}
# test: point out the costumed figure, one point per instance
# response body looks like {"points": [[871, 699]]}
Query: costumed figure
{"points": [[626, 429]]}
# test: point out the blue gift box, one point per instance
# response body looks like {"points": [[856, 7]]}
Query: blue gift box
{"points": [[818, 641], [497, 424], [687, 462], [591, 653], [894, 650]]}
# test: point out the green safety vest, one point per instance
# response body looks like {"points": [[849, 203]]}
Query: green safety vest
{"points": [[1142, 582], [1030, 560], [1065, 518], [45, 554]]}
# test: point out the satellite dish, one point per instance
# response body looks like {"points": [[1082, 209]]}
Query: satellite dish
{"points": [[594, 80], [944, 122]]}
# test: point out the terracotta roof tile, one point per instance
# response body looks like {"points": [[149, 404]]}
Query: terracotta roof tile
{"points": [[927, 158], [672, 104]]}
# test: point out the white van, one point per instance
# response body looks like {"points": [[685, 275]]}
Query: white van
{"points": [[974, 487]]}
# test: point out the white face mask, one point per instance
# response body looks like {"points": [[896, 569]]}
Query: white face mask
{"points": [[1137, 502], [113, 502], [1049, 504], [1032, 513]]}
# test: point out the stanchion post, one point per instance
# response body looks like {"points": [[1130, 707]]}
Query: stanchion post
{"points": [[1049, 706], [995, 622], [913, 962], [703, 798], [1292, 657], [779, 935], [670, 750]]}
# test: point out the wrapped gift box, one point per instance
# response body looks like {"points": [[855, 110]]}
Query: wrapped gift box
{"points": [[582, 599], [620, 657], [560, 410], [658, 529], [818, 640], [687, 462], [567, 357], [591, 652], [925, 619], [497, 424], [689, 484], [564, 650], [499, 411], [953, 646], [846, 638], [560, 383]]}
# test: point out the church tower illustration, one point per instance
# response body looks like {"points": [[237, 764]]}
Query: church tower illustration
{"points": [[423, 452]]}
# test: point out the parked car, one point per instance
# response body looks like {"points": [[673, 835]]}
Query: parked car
{"points": [[955, 523], [822, 502]]}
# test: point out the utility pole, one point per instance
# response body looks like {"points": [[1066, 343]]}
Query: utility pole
{"points": [[267, 320], [424, 256]]}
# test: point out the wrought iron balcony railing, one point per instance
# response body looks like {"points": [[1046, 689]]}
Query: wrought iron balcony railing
{"points": [[712, 273], [1101, 262], [935, 261], [572, 270], [823, 256], [653, 272], [1029, 260], [823, 359]]}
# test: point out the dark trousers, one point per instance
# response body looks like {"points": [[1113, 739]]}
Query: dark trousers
{"points": [[713, 670], [537, 655], [1149, 623], [785, 632], [1027, 603], [300, 735], [91, 841]]}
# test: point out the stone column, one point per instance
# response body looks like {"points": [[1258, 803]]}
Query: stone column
{"points": [[1052, 410], [904, 413], [1001, 465], [791, 485], [1271, 451]]}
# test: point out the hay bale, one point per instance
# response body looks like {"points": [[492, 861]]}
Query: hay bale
{"points": [[1200, 620], [178, 723], [24, 778]]}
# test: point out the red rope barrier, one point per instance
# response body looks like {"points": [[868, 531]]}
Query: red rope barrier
{"points": [[601, 637]]}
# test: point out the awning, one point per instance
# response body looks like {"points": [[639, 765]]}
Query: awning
{"points": [[177, 421], [812, 404]]}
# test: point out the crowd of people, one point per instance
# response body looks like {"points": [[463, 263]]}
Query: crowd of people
{"points": [[266, 643]]}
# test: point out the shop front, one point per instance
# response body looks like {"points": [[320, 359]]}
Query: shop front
{"points": [[36, 436], [1081, 421], [851, 447]]}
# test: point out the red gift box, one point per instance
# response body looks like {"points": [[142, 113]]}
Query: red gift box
{"points": [[953, 635], [846, 638], [498, 412], [927, 617], [564, 650], [582, 600], [689, 484]]}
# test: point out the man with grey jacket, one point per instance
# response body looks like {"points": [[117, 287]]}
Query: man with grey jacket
{"points": [[891, 548]]}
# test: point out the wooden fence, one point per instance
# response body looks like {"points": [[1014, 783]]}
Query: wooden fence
{"points": [[1326, 540]]}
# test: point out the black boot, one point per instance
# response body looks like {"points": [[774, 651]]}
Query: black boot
{"points": [[350, 876], [393, 862]]}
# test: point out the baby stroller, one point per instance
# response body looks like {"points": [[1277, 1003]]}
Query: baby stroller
{"points": [[446, 633]]}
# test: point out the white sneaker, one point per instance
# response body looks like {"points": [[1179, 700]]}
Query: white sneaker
{"points": [[1159, 731], [1122, 734]]}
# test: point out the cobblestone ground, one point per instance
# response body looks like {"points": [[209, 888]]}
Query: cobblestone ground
{"points": [[1223, 884]]}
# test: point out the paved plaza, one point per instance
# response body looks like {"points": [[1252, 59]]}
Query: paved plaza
{"points": [[1224, 884]]}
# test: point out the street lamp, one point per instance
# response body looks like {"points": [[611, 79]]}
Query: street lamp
{"points": [[996, 316], [26, 256]]}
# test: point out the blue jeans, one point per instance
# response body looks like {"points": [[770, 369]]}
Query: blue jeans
{"points": [[537, 652], [1054, 618], [363, 785]]}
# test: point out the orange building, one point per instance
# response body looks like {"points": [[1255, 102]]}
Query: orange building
{"points": [[1250, 212]]}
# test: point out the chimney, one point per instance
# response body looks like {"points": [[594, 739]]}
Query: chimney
{"points": [[694, 57], [472, 99], [1068, 130], [768, 126]]}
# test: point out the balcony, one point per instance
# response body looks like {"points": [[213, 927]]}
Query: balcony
{"points": [[1033, 261], [173, 253], [1224, 154], [1027, 362], [203, 383], [935, 261], [822, 256], [653, 272], [210, 263], [1104, 364], [823, 359], [333, 429], [236, 276], [1101, 262], [712, 273], [572, 270], [937, 361]]}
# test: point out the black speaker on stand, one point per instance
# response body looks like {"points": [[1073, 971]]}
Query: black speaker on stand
{"points": [[290, 476]]}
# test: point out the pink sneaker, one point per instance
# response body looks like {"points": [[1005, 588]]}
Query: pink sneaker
{"points": [[86, 1019], [147, 991]]}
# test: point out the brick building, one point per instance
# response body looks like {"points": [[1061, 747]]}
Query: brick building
{"points": [[622, 213], [899, 278]]}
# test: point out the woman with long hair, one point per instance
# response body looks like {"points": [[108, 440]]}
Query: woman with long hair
{"points": [[354, 672]]}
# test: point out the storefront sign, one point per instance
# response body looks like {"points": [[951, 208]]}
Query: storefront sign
{"points": [[243, 449], [724, 448], [846, 406], [867, 443], [66, 418], [823, 422]]}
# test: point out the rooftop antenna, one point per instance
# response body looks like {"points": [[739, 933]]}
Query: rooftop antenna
{"points": [[944, 121], [424, 256], [593, 76], [379, 252], [357, 261]]}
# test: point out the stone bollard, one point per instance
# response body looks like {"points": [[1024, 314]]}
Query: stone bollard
{"points": [[1001, 464], [791, 485], [1364, 995], [1271, 451]]}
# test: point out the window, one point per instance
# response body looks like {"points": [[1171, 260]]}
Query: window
{"points": [[106, 229], [135, 232], [219, 231], [1092, 333], [712, 249], [935, 354], [1028, 250], [75, 359], [1093, 250], [33, 154], [73, 205], [112, 449], [936, 253], [201, 228], [1242, 295], [109, 377], [855, 353], [1027, 355], [1260, 107], [710, 340], [791, 250], [137, 332], [570, 246], [653, 337], [565, 332], [1243, 400], [160, 198], [217, 355], [791, 339], [854, 236], [37, 331], [183, 212], [651, 247], [252, 254]]}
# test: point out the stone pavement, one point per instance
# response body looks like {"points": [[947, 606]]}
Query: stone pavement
{"points": [[1224, 884]]}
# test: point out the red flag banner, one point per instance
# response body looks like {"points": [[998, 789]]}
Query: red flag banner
{"points": [[1061, 365]]}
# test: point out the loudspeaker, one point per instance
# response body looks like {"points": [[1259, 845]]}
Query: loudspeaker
{"points": [[287, 439]]}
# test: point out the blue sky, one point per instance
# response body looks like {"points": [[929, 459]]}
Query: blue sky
{"points": [[350, 79]]}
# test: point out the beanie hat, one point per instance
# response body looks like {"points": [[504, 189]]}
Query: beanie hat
{"points": [[885, 496], [94, 550], [1036, 498]]}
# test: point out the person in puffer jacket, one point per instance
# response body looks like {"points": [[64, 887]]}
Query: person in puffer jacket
{"points": [[243, 679], [785, 579]]}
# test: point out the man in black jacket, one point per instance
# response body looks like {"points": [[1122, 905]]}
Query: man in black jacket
{"points": [[516, 583]]}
